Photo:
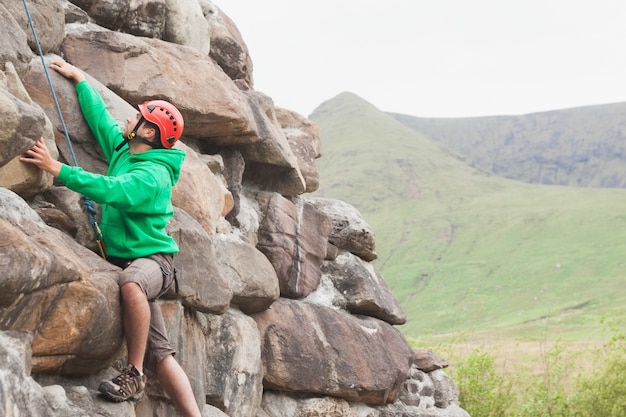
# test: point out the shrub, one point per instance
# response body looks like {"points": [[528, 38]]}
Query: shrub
{"points": [[558, 390], [602, 392], [547, 394], [482, 392]]}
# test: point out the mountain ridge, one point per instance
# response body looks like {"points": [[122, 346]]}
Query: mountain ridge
{"points": [[579, 146]]}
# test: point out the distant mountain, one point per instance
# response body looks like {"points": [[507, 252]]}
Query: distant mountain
{"points": [[584, 146], [466, 250]]}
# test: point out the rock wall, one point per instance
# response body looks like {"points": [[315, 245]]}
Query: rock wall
{"points": [[279, 311]]}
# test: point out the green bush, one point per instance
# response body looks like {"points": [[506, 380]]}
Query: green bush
{"points": [[603, 392], [561, 388], [482, 392], [547, 394]]}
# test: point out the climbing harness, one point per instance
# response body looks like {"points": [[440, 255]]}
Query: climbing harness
{"points": [[89, 205]]}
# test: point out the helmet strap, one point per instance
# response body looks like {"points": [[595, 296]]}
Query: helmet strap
{"points": [[134, 135], [121, 145]]}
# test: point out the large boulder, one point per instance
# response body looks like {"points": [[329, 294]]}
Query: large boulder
{"points": [[228, 48], [24, 123], [139, 69], [234, 371], [66, 295], [349, 230], [356, 358], [48, 18], [199, 192], [364, 288], [251, 275], [141, 18], [13, 49], [304, 140], [201, 286], [293, 237]]}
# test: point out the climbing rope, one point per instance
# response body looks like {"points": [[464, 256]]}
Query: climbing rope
{"points": [[88, 203]]}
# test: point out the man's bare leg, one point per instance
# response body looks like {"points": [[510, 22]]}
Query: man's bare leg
{"points": [[130, 383], [176, 384], [136, 318]]}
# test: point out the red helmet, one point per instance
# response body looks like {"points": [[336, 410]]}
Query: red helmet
{"points": [[166, 117]]}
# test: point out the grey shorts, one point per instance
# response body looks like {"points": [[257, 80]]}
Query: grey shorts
{"points": [[154, 275]]}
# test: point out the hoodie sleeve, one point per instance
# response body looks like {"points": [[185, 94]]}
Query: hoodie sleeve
{"points": [[104, 127], [131, 192]]}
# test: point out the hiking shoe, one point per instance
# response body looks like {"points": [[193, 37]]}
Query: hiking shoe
{"points": [[128, 385]]}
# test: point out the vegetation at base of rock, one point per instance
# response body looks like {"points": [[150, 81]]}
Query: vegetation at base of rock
{"points": [[561, 383]]}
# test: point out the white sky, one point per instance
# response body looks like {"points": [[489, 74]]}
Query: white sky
{"points": [[437, 58]]}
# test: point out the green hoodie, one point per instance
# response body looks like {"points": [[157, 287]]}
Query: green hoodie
{"points": [[136, 192]]}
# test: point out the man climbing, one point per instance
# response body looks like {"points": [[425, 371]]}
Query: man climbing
{"points": [[135, 195]]}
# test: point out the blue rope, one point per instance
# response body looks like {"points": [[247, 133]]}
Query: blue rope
{"points": [[54, 96], [89, 205]]}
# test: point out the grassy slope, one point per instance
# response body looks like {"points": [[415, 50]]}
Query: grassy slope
{"points": [[463, 250]]}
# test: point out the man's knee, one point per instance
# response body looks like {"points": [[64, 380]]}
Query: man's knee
{"points": [[131, 290]]}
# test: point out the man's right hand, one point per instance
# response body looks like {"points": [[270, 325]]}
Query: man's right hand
{"points": [[40, 156], [68, 71]]}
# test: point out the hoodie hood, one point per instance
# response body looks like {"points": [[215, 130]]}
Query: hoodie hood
{"points": [[171, 159]]}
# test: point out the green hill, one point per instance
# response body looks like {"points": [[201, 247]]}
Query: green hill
{"points": [[465, 250]]}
